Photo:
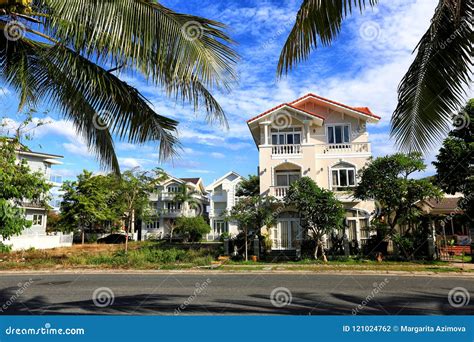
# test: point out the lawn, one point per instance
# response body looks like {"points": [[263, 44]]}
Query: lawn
{"points": [[141, 255], [163, 256]]}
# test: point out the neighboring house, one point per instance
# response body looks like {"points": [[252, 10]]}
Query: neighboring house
{"points": [[319, 138], [36, 236], [167, 209], [221, 200]]}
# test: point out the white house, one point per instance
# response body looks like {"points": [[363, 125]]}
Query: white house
{"points": [[221, 200], [36, 236], [319, 138], [167, 209]]}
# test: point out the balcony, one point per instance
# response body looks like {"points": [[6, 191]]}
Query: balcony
{"points": [[342, 148], [286, 150], [279, 191], [216, 212]]}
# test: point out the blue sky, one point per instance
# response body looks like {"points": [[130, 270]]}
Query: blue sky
{"points": [[362, 68]]}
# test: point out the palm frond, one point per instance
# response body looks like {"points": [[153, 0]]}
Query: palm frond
{"points": [[143, 35], [434, 86], [316, 21], [97, 102]]}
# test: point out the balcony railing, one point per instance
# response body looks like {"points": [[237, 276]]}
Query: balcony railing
{"points": [[216, 212], [286, 149], [279, 191], [343, 148]]}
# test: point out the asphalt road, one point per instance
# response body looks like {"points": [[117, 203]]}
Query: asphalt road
{"points": [[234, 294]]}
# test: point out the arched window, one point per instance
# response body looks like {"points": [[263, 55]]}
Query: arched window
{"points": [[173, 187], [343, 176]]}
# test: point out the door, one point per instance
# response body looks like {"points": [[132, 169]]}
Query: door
{"points": [[285, 234], [352, 229]]}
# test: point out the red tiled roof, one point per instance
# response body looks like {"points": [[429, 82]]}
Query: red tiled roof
{"points": [[282, 105], [190, 180], [446, 203], [363, 110]]}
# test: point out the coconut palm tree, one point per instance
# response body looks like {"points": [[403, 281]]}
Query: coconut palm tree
{"points": [[67, 53], [187, 198], [434, 85]]}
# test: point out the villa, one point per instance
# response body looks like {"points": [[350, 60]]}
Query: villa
{"points": [[221, 200], [36, 235], [167, 209], [319, 138]]}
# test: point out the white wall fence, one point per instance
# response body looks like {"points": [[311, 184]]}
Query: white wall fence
{"points": [[39, 241]]}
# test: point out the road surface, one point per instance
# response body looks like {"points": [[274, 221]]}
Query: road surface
{"points": [[234, 294]]}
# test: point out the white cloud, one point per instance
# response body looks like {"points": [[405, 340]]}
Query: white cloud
{"points": [[217, 155], [199, 171], [78, 149], [130, 163]]}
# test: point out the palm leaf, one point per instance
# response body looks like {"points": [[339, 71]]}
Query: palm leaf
{"points": [[317, 21], [435, 84], [63, 63], [97, 102], [167, 47]]}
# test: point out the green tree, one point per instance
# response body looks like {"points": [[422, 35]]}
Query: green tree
{"points": [[253, 212], [387, 181], [321, 213], [185, 198], [133, 192], [431, 89], [18, 184], [249, 186], [192, 228], [89, 202], [455, 161], [67, 53]]}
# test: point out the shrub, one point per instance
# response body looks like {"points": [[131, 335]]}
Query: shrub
{"points": [[192, 228], [5, 248]]}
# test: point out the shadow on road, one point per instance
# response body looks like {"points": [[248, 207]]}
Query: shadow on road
{"points": [[301, 304]]}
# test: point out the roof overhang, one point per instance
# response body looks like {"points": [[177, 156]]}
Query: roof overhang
{"points": [[221, 179], [263, 118], [340, 107]]}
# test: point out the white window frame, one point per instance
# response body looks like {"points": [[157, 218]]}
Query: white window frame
{"points": [[173, 188], [285, 134], [287, 174], [37, 218], [334, 133], [153, 225], [172, 206], [220, 225], [345, 168]]}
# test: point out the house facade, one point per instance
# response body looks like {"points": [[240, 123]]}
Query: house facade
{"points": [[222, 198], [319, 138], [167, 209], [36, 235]]}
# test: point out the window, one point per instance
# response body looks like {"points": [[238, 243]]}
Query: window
{"points": [[287, 136], [37, 220], [173, 188], [153, 225], [286, 178], [173, 206], [343, 176], [338, 134], [220, 227]]}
